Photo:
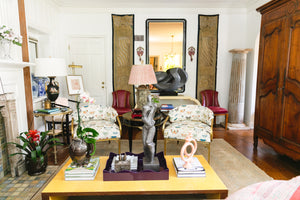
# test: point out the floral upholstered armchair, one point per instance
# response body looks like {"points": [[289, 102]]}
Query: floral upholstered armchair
{"points": [[103, 119], [186, 119]]}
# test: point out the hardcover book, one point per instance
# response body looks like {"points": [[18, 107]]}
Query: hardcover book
{"points": [[196, 170], [49, 111], [87, 171]]}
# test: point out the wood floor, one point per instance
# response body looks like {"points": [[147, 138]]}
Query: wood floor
{"points": [[275, 165]]}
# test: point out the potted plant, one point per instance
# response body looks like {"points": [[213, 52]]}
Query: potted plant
{"points": [[35, 146], [7, 37], [83, 146]]}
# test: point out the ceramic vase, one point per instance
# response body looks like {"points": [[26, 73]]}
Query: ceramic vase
{"points": [[80, 152], [5, 46]]}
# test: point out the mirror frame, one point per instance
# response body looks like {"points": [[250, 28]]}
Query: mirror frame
{"points": [[183, 45]]}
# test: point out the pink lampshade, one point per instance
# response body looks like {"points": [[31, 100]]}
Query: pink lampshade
{"points": [[142, 75]]}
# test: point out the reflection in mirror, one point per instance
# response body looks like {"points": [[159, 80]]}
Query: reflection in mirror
{"points": [[165, 44]]}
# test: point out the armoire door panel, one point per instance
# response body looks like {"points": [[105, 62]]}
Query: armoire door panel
{"points": [[268, 95], [291, 121], [294, 49], [291, 114], [272, 35], [268, 119]]}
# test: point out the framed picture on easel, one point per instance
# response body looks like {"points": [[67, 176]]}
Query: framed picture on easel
{"points": [[75, 84]]}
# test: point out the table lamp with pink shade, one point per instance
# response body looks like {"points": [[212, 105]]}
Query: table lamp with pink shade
{"points": [[142, 75]]}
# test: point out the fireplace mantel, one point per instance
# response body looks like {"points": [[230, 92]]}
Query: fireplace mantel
{"points": [[12, 78]]}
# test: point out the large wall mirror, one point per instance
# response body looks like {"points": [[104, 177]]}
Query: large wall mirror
{"points": [[166, 45]]}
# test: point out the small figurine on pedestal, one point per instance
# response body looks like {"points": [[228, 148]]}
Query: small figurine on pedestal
{"points": [[149, 161], [188, 157]]}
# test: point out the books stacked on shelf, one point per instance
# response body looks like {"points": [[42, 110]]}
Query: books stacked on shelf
{"points": [[166, 107], [196, 170], [49, 111], [74, 173]]}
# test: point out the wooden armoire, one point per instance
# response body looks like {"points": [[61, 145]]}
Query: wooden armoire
{"points": [[277, 110]]}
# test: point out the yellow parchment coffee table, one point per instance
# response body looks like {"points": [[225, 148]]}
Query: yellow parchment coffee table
{"points": [[211, 185]]}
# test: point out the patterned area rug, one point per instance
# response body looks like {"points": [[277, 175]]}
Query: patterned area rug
{"points": [[234, 169], [25, 187]]}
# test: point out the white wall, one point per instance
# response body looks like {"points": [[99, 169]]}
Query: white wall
{"points": [[238, 28], [232, 34], [42, 25]]}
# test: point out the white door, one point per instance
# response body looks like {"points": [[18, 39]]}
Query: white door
{"points": [[89, 52]]}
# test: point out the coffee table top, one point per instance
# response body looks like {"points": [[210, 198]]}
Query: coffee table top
{"points": [[209, 184]]}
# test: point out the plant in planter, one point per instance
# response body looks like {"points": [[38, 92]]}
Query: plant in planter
{"points": [[7, 34], [8, 37], [35, 147], [83, 146]]}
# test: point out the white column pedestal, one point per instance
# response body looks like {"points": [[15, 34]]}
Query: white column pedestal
{"points": [[236, 101]]}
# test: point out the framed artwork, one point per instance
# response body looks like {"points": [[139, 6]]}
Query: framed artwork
{"points": [[75, 85]]}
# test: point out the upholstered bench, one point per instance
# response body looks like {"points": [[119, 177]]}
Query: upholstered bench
{"points": [[186, 119], [103, 119]]}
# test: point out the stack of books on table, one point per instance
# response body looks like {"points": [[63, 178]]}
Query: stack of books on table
{"points": [[166, 107], [74, 173], [196, 170]]}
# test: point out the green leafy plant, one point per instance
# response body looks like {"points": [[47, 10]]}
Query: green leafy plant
{"points": [[35, 145], [155, 98], [8, 34]]}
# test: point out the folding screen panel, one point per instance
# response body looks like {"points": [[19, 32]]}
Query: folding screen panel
{"points": [[123, 52], [207, 52]]}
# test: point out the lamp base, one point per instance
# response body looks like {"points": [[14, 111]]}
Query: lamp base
{"points": [[52, 89], [142, 94]]}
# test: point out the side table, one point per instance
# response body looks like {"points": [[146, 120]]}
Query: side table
{"points": [[54, 132], [131, 123]]}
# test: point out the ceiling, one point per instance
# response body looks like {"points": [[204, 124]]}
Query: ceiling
{"points": [[155, 3]]}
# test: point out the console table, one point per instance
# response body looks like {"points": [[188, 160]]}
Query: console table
{"points": [[211, 186], [54, 132]]}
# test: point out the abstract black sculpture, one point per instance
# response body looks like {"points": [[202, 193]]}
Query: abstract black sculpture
{"points": [[170, 80]]}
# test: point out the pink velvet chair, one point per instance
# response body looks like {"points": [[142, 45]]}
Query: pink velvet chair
{"points": [[121, 101], [209, 98]]}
